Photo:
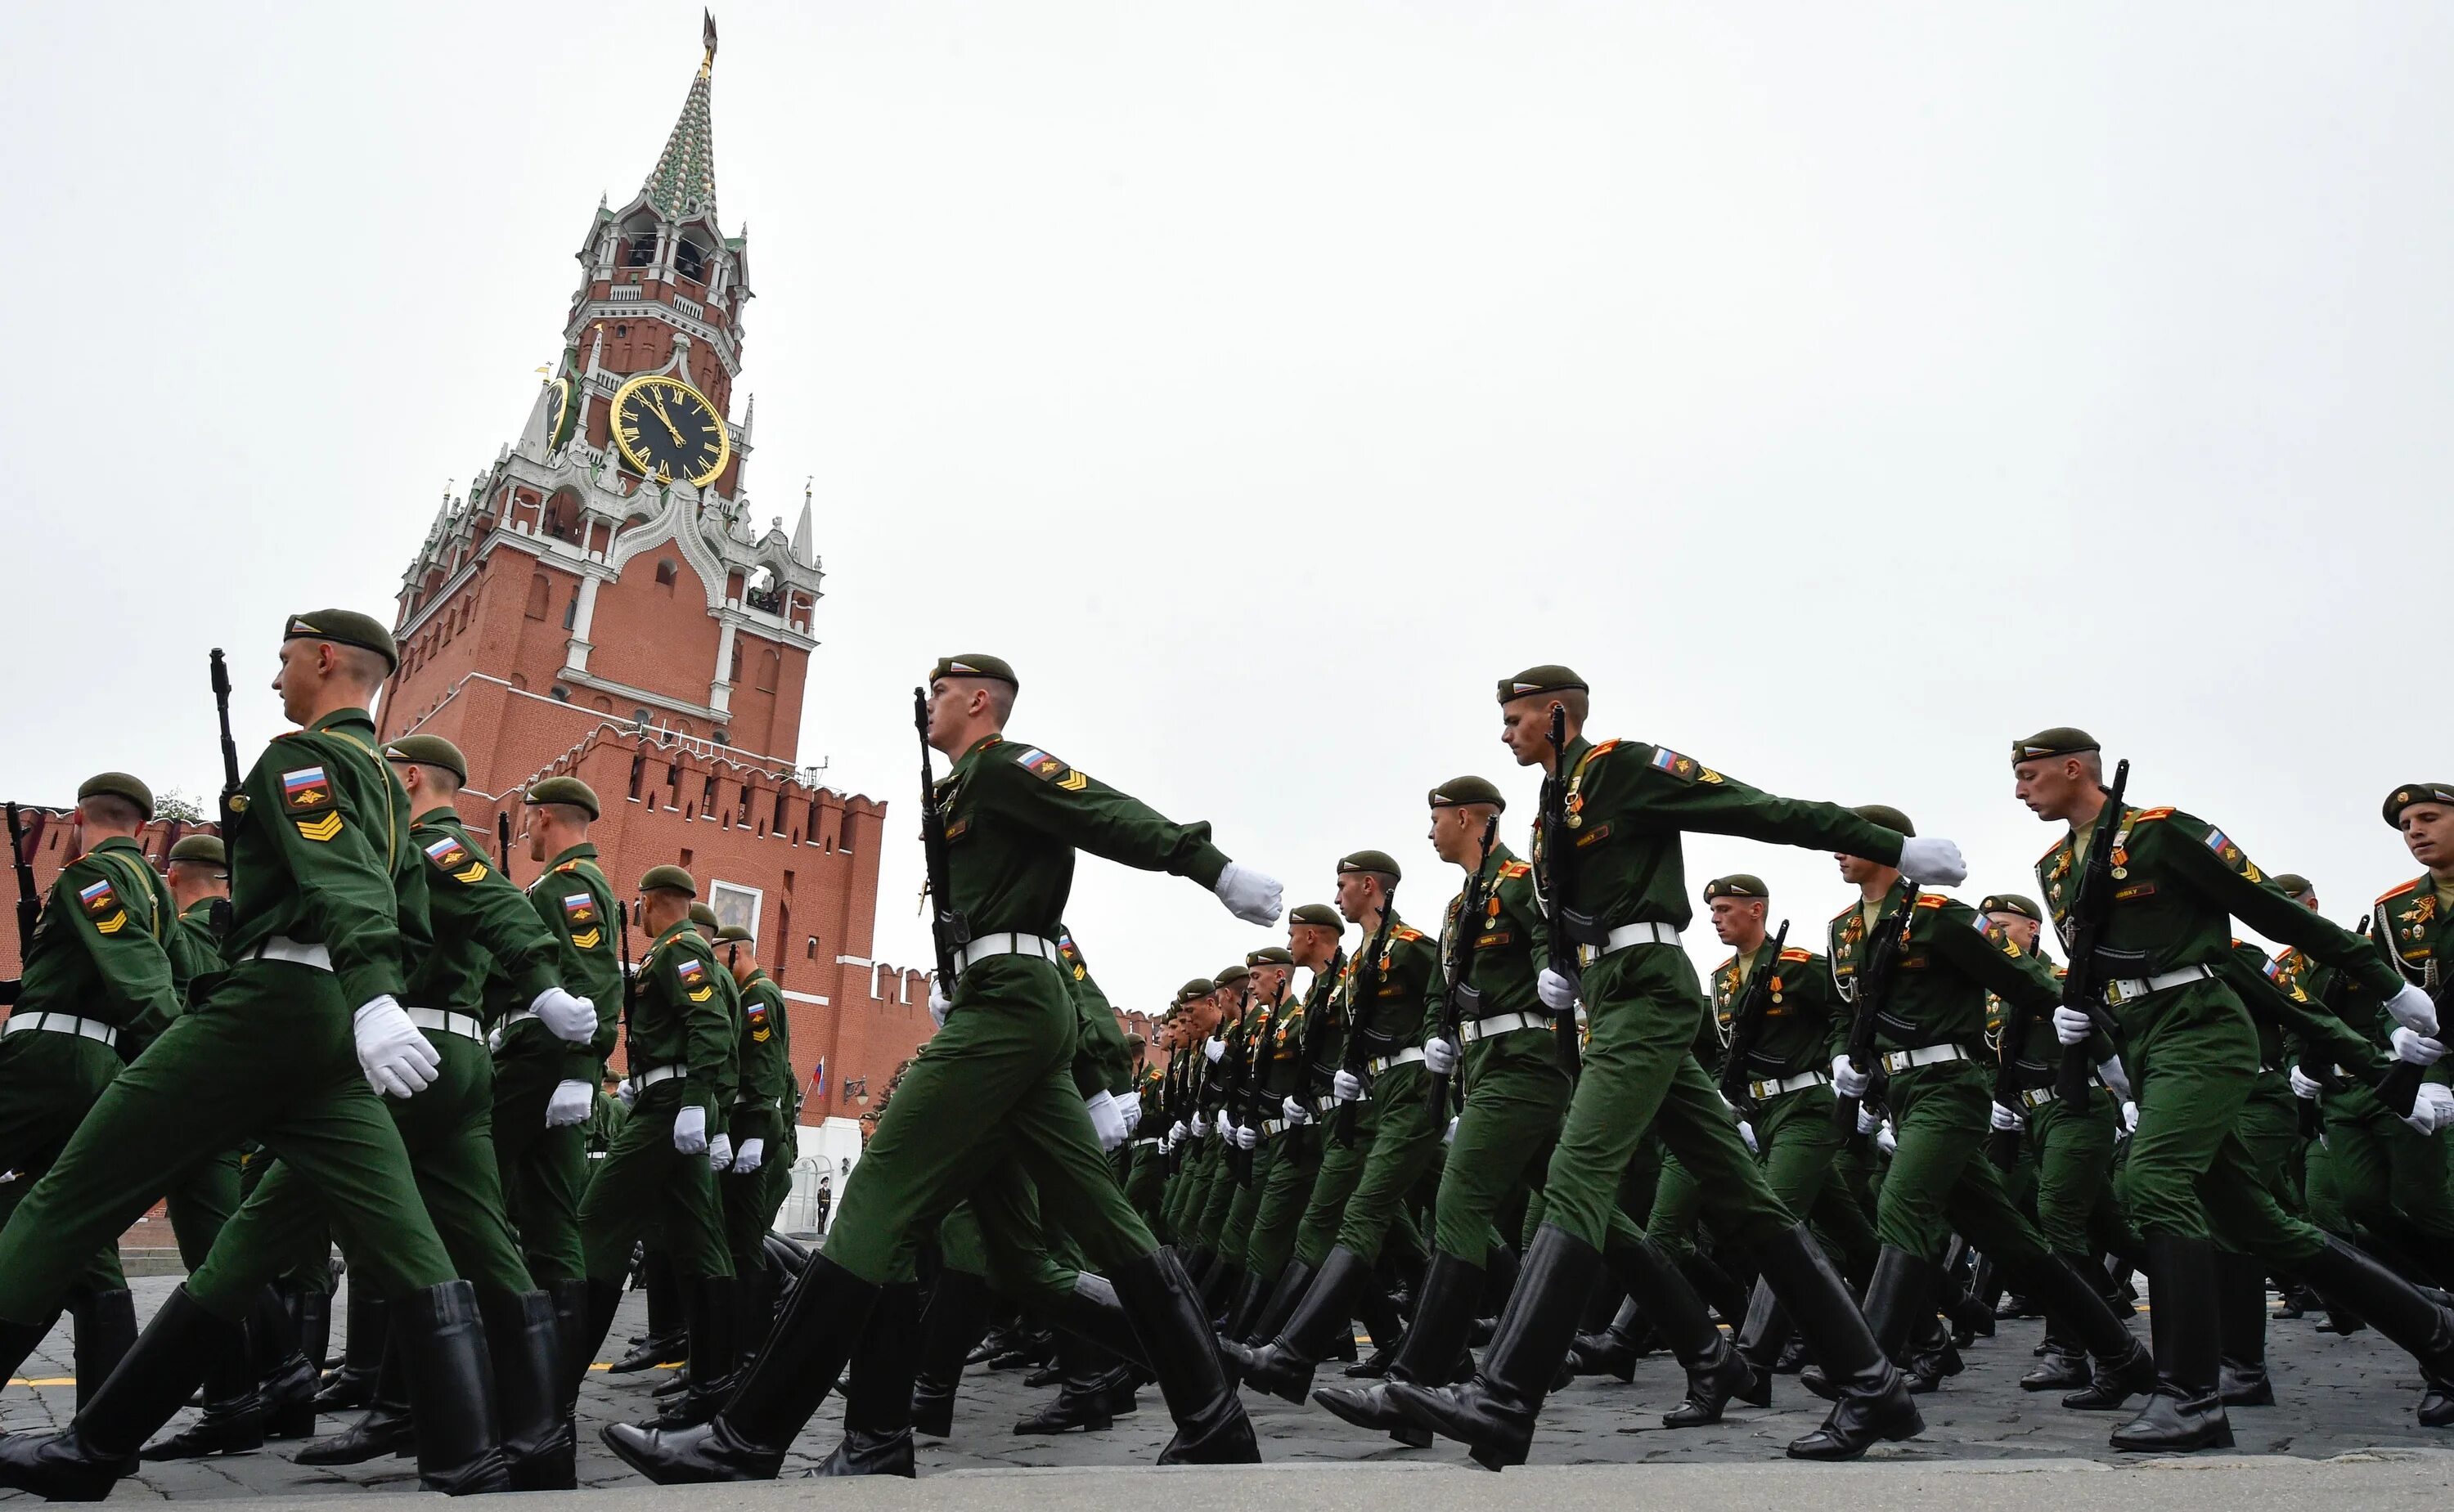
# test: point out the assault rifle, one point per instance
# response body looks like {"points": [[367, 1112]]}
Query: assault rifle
{"points": [[2399, 1086], [1318, 997], [503, 842], [1237, 1108], [2084, 984], [1359, 1044], [946, 925], [1746, 1023], [1874, 982], [1461, 998], [1552, 879]]}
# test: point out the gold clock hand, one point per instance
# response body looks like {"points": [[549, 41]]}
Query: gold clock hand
{"points": [[659, 406]]}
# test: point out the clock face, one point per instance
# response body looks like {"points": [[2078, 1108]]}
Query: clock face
{"points": [[668, 431]]}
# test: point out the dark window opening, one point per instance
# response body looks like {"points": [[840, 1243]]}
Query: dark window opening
{"points": [[707, 799], [665, 571], [690, 259], [571, 610], [639, 773], [638, 250]]}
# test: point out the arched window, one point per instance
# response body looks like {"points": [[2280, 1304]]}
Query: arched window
{"points": [[770, 660], [540, 590], [666, 570]]}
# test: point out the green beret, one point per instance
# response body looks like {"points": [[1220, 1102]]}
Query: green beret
{"points": [[1546, 679], [1459, 792], [429, 751], [563, 790], [118, 785], [2060, 740], [991, 668], [1379, 861], [2011, 903], [668, 879], [203, 849], [1318, 913], [1234, 974], [1737, 884], [1269, 956], [703, 916], [730, 934], [2293, 884], [1885, 815], [344, 627], [2396, 802], [1198, 987]]}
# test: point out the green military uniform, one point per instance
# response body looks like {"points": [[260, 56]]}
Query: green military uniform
{"points": [[763, 1109], [1377, 1147], [1146, 1172], [203, 1200], [1191, 1155], [1218, 1157], [1252, 1108], [1303, 1054]]}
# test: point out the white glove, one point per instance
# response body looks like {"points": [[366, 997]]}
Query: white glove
{"points": [[1867, 1122], [494, 1039], [395, 1058], [1177, 1132], [1557, 993], [1847, 1080], [1107, 1120], [2130, 1118], [2412, 1008], [1448, 1136], [690, 1130], [2006, 1121], [1747, 1134], [2071, 1025], [1214, 1048], [1295, 1111], [1439, 1057], [2303, 1085], [1346, 1086], [1201, 1125], [1245, 1136], [752, 1155], [569, 1105], [720, 1153], [2110, 1070], [1132, 1108], [939, 1004], [566, 1016], [2432, 1110], [1250, 895], [2415, 1047], [1925, 858], [1886, 1140], [624, 1093]]}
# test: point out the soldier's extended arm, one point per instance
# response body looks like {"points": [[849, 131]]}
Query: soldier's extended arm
{"points": [[2246, 893], [1090, 815], [1677, 792], [2313, 1036], [340, 870]]}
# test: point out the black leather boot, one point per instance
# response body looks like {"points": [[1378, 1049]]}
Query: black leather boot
{"points": [[1715, 1372], [1219, 1292], [1899, 1297], [314, 1311], [2119, 1365], [386, 1427], [577, 1346], [1763, 1338], [353, 1384], [233, 1420], [2240, 1299], [1180, 1350], [1932, 1357], [1378, 1311], [1615, 1350], [1443, 1318], [1494, 1412], [2345, 1278], [754, 1309], [1082, 1392], [452, 1392], [1852, 1350], [1284, 1367], [714, 1358], [106, 1330], [1709, 1279], [668, 1319], [1284, 1293], [152, 1381], [957, 1316], [2061, 1364], [524, 1338], [289, 1377], [2183, 1412], [1249, 1300], [826, 1312], [878, 1398]]}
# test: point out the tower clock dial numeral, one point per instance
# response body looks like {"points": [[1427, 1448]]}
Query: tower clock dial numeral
{"points": [[666, 430]]}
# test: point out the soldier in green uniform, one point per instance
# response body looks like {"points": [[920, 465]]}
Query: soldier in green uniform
{"points": [[101, 966], [545, 1085], [1626, 903], [1272, 968], [998, 1075], [1146, 1176], [1207, 1216], [1199, 1006], [199, 878], [2187, 1180], [290, 1046], [764, 1109], [660, 1174], [1380, 1136], [1303, 1061]]}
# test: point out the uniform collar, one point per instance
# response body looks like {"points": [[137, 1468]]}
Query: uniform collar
{"points": [[344, 716], [583, 851], [203, 906], [118, 843], [437, 814], [684, 926]]}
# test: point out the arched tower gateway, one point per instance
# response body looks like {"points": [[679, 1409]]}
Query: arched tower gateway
{"points": [[603, 602]]}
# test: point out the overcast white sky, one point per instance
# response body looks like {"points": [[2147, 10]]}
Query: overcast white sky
{"points": [[1846, 391]]}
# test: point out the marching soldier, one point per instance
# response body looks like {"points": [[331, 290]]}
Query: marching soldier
{"points": [[998, 1074], [290, 1047], [1271, 967], [1303, 1063], [762, 1121]]}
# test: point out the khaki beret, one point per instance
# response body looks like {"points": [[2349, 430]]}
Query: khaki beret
{"points": [[1885, 815], [1198, 987], [1319, 914], [1269, 956], [344, 627], [1737, 884], [730, 934], [2060, 740], [429, 751], [2011, 903], [2396, 802], [1234, 974], [1545, 679], [204, 850], [1459, 793], [2293, 884], [991, 668], [703, 916], [1379, 861], [668, 879], [118, 785], [564, 791]]}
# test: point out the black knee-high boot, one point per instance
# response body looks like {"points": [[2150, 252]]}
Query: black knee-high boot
{"points": [[1379, 1314], [288, 1378], [1284, 1367], [1435, 1344], [957, 1317], [1284, 1294], [524, 1340], [2344, 1277], [1180, 1350], [878, 1398], [152, 1381], [1852, 1350], [667, 1316], [2240, 1284], [1249, 1298], [452, 1392], [2119, 1365], [385, 1428], [1715, 1371], [2185, 1410], [353, 1384], [1494, 1412], [106, 1330], [714, 1360]]}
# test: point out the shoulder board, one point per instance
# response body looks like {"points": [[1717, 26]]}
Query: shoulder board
{"points": [[1931, 900], [1726, 964], [1406, 932], [1603, 749], [1842, 917], [568, 866], [2392, 893], [1797, 955], [2145, 815], [2050, 849], [1516, 868]]}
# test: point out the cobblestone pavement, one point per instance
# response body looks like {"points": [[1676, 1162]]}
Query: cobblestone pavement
{"points": [[2336, 1396]]}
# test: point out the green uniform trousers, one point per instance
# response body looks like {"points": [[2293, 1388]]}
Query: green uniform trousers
{"points": [[1800, 1153], [1219, 1198], [997, 1076], [1286, 1192], [2385, 1175], [2073, 1150], [750, 1202], [268, 1053], [1341, 1168], [1146, 1185], [1405, 1148], [445, 1129], [1513, 1106], [1236, 1235], [1940, 1181], [544, 1171], [646, 1186], [202, 1202], [49, 1082]]}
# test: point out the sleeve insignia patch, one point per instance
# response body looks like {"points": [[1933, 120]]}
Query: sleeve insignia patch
{"points": [[321, 830], [1040, 764], [759, 1028], [450, 855], [1514, 869], [588, 940], [1074, 782], [306, 791], [471, 874], [1931, 900], [111, 924], [703, 994], [580, 907], [692, 971], [98, 898], [1797, 955], [1682, 768]]}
